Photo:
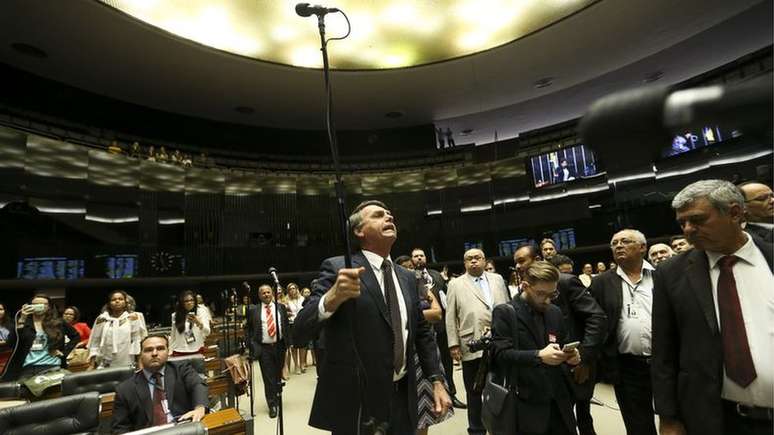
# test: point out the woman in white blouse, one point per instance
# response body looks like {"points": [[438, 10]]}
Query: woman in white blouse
{"points": [[116, 334], [294, 303], [190, 325]]}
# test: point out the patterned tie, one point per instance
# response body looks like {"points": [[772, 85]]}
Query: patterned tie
{"points": [[271, 328], [391, 297], [736, 350], [159, 396]]}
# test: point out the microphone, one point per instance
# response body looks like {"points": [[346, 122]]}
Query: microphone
{"points": [[651, 116], [306, 10], [273, 274]]}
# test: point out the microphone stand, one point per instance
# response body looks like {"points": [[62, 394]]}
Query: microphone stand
{"points": [[365, 420], [281, 356]]}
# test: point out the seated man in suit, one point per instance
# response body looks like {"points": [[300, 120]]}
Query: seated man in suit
{"points": [[159, 393], [266, 343], [528, 349]]}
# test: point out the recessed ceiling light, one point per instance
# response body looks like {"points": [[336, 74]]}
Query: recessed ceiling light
{"points": [[29, 50], [245, 110], [652, 77], [394, 114], [544, 82]]}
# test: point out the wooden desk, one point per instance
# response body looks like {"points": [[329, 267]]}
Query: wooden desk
{"points": [[225, 422], [219, 385], [106, 411]]}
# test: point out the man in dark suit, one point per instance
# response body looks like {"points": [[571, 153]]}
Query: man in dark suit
{"points": [[266, 343], [759, 210], [159, 393], [626, 295], [712, 367], [584, 321], [437, 285], [528, 348], [373, 328]]}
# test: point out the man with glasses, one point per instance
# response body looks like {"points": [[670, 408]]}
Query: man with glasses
{"points": [[626, 296], [758, 210], [470, 301], [585, 322]]}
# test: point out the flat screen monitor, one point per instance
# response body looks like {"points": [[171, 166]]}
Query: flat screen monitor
{"points": [[564, 165], [49, 268], [563, 238], [119, 266], [506, 248], [476, 244], [695, 139]]}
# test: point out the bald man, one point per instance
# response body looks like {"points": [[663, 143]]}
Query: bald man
{"points": [[758, 210], [470, 301], [660, 252]]}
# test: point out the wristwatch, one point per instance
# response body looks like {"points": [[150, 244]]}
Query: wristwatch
{"points": [[433, 378]]}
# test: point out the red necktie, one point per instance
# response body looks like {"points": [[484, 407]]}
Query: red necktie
{"points": [[159, 415], [271, 328], [736, 350]]}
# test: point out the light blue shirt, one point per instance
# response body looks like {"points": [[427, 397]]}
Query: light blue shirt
{"points": [[483, 284], [152, 388], [38, 355]]}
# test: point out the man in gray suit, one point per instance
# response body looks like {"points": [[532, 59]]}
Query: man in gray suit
{"points": [[470, 301]]}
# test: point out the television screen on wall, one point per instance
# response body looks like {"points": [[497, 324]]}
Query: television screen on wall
{"points": [[562, 166]]}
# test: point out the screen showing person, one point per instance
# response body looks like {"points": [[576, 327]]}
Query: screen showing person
{"points": [[564, 165]]}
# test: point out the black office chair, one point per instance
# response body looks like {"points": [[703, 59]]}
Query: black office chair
{"points": [[69, 415], [10, 390], [196, 361], [102, 381]]}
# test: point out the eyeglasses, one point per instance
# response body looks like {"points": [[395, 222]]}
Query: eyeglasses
{"points": [[622, 242]]}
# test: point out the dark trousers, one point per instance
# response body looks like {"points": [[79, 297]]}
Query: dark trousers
{"points": [[446, 361], [400, 423], [583, 417], [634, 393], [734, 424], [469, 371], [271, 360], [556, 424]]}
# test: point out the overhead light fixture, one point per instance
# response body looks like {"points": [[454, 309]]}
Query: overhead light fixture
{"points": [[434, 212], [62, 210], [595, 206], [511, 200], [171, 221], [474, 208], [105, 220]]}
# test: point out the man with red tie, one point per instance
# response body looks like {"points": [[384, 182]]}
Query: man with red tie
{"points": [[266, 343], [712, 309], [160, 393]]}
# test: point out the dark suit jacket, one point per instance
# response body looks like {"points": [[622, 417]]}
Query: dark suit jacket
{"points": [[366, 319], [687, 367], [606, 289], [538, 384], [585, 322], [133, 407], [765, 234], [255, 329]]}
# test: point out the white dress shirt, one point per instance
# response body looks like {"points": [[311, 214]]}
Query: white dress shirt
{"points": [[375, 260], [634, 324], [755, 287], [265, 339]]}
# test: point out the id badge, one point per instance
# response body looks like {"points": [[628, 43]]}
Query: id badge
{"points": [[189, 337], [633, 312], [37, 344], [165, 406]]}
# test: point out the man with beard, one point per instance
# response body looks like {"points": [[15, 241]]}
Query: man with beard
{"points": [[584, 321], [528, 342], [160, 392], [435, 283], [626, 296]]}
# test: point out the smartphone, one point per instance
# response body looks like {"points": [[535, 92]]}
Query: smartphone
{"points": [[570, 347], [37, 308]]}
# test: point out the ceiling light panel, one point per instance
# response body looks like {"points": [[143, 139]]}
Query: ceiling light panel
{"points": [[385, 34]]}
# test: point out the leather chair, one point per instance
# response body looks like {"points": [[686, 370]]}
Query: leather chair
{"points": [[196, 361], [63, 416], [10, 390], [102, 381], [183, 429]]}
